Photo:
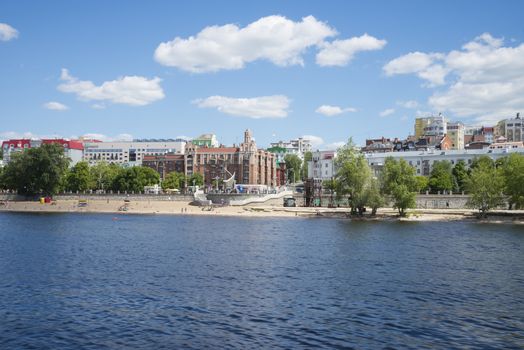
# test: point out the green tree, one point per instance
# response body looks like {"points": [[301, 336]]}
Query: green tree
{"points": [[103, 175], [513, 172], [480, 161], [422, 183], [173, 180], [308, 156], [460, 174], [196, 179], [134, 179], [37, 170], [353, 176], [374, 198], [485, 186], [293, 164], [441, 177], [79, 178], [399, 181]]}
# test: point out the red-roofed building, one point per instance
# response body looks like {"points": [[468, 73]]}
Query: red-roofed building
{"points": [[245, 164], [73, 149]]}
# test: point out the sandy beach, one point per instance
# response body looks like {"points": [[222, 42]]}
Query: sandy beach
{"points": [[184, 208]]}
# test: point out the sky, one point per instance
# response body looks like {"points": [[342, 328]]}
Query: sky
{"points": [[326, 70]]}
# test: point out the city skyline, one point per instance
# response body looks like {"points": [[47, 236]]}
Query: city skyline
{"points": [[325, 71]]}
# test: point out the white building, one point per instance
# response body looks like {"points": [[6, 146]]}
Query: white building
{"points": [[322, 165], [437, 126], [130, 152], [514, 129], [423, 161], [456, 135], [297, 146]]}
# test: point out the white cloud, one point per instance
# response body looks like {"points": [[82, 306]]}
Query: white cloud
{"points": [[7, 32], [387, 112], [333, 146], [341, 52], [275, 106], [420, 63], [411, 104], [329, 111], [273, 38], [55, 106], [7, 135], [316, 141], [128, 90], [487, 79]]}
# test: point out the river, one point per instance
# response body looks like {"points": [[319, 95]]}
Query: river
{"points": [[93, 281]]}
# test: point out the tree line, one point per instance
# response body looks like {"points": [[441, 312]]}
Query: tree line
{"points": [[489, 183], [45, 171]]}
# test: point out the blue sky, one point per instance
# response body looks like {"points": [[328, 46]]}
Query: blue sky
{"points": [[327, 69]]}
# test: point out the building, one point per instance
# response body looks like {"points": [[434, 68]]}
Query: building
{"points": [[245, 164], [514, 129], [423, 161], [166, 163], [455, 132], [322, 165], [474, 134], [297, 146], [206, 140], [130, 152], [430, 126], [73, 149], [379, 145]]}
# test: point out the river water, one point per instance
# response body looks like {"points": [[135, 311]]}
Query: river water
{"points": [[82, 281]]}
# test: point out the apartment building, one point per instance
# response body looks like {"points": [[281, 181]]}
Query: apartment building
{"points": [[73, 149], [423, 161], [322, 165], [130, 152], [297, 146], [245, 163]]}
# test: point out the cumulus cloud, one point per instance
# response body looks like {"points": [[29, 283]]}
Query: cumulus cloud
{"points": [[329, 111], [419, 63], [341, 52], [387, 112], [273, 38], [275, 106], [55, 106], [7, 32], [128, 90], [316, 141], [488, 79], [276, 39]]}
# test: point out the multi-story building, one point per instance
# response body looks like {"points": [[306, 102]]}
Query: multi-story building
{"points": [[430, 126], [513, 129], [322, 165], [423, 161], [297, 146], [130, 152], [455, 132], [206, 140], [166, 163], [73, 149], [246, 164]]}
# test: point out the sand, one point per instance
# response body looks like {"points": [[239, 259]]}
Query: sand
{"points": [[184, 208]]}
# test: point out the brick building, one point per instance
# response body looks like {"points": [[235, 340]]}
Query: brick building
{"points": [[246, 162]]}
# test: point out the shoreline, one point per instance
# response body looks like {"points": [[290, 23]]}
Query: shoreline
{"points": [[267, 211]]}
